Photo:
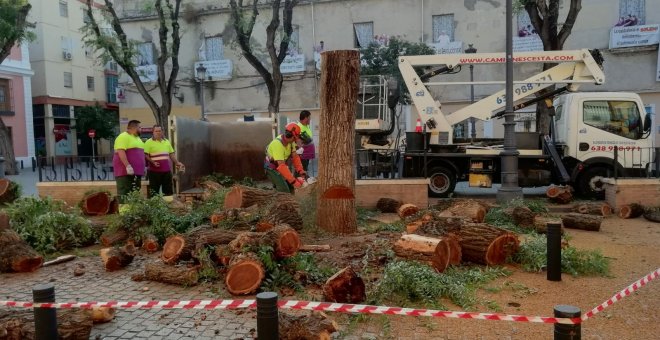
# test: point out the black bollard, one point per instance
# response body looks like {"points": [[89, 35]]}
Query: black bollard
{"points": [[553, 261], [45, 319], [566, 331], [267, 319]]}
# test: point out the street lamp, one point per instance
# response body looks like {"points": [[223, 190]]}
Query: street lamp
{"points": [[473, 122], [201, 74]]}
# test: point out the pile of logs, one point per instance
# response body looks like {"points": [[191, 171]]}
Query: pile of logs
{"points": [[274, 207], [560, 194], [15, 254]]}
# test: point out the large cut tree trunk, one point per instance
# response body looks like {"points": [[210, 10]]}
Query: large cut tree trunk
{"points": [[470, 209], [485, 244], [346, 286], [632, 210], [593, 208], [117, 258], [96, 204], [178, 275], [284, 240], [340, 76], [243, 197], [560, 194], [183, 247], [15, 254], [284, 213], [109, 239], [434, 251], [244, 274], [72, 324], [582, 221]]}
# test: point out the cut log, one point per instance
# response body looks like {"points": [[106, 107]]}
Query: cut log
{"points": [[263, 227], [242, 197], [178, 275], [560, 194], [117, 258], [388, 205], [177, 248], [346, 286], [632, 210], [150, 243], [412, 227], [314, 326], [102, 314], [284, 240], [15, 254], [455, 251], [72, 324], [407, 209], [245, 273], [582, 221], [435, 251], [217, 218], [593, 208], [115, 237], [7, 194], [284, 213], [315, 247], [222, 254], [96, 204], [652, 215], [473, 210], [114, 206], [522, 216], [485, 244], [440, 226], [541, 224], [59, 259]]}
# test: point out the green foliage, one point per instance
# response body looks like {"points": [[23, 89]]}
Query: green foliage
{"points": [[498, 217], [13, 25], [227, 181], [97, 118], [293, 272], [364, 216], [533, 258], [397, 226], [383, 60], [47, 225], [207, 271], [414, 282], [277, 273]]}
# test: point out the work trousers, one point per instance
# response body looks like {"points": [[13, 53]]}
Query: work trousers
{"points": [[158, 181], [127, 184]]}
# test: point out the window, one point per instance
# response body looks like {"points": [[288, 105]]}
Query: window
{"points": [[68, 79], [64, 9], [363, 34], [215, 49], [294, 41], [90, 83], [5, 95], [111, 83], [443, 28], [632, 12], [525, 27], [618, 117], [145, 54]]}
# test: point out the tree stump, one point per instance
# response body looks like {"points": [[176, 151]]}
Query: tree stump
{"points": [[244, 274], [582, 221], [150, 243], [117, 258], [15, 254], [406, 210], [345, 287], [388, 205], [470, 209], [96, 204], [632, 210], [314, 326], [435, 251], [484, 244], [340, 77], [177, 275], [112, 238], [593, 208], [72, 324], [560, 194], [242, 197]]}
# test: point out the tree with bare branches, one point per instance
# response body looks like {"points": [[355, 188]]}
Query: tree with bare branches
{"points": [[244, 17], [14, 29], [114, 44], [544, 15]]}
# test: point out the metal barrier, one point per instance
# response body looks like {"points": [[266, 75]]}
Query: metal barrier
{"points": [[75, 168], [377, 163], [636, 161]]}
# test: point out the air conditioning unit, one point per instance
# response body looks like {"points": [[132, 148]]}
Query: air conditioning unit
{"points": [[66, 55]]}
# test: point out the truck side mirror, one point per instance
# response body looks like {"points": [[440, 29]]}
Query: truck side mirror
{"points": [[647, 123]]}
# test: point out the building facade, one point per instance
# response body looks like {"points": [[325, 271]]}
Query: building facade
{"points": [[67, 75], [233, 88], [16, 102]]}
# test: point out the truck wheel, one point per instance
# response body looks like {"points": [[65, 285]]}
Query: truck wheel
{"points": [[590, 184], [442, 182]]}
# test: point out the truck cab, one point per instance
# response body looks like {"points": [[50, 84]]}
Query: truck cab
{"points": [[590, 126]]}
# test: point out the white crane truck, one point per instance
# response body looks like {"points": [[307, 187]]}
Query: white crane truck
{"points": [[586, 129]]}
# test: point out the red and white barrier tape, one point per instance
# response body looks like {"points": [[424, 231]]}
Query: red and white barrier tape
{"points": [[334, 307], [625, 292]]}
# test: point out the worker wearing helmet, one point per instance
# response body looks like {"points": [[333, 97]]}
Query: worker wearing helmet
{"points": [[281, 150]]}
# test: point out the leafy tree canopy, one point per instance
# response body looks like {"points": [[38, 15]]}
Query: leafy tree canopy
{"points": [[13, 25], [96, 118]]}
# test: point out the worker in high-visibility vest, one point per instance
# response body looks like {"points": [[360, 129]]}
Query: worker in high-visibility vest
{"points": [[161, 158], [308, 149], [128, 160], [282, 150]]}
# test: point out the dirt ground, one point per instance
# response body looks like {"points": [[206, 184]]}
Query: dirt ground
{"points": [[632, 245]]}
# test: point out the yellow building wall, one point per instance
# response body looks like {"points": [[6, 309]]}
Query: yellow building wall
{"points": [[146, 116]]}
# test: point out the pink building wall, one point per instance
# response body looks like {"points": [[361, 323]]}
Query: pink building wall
{"points": [[17, 122]]}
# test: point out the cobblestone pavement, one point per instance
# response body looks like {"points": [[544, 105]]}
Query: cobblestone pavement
{"points": [[98, 285]]}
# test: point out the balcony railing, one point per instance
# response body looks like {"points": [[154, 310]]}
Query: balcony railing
{"points": [[75, 168]]}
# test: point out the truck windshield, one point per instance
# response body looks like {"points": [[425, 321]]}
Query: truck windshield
{"points": [[618, 117]]}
